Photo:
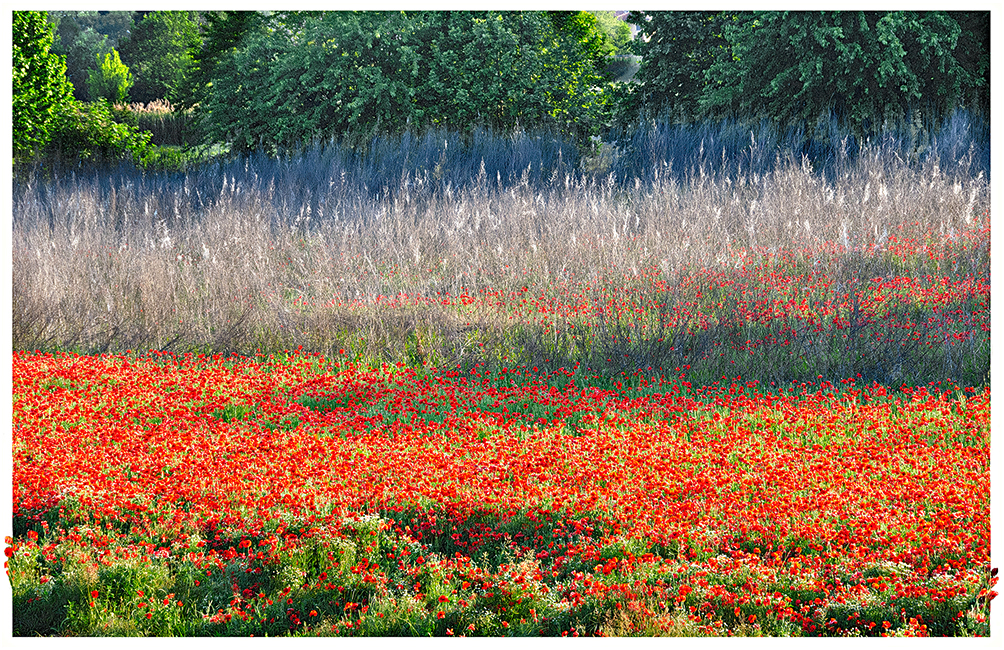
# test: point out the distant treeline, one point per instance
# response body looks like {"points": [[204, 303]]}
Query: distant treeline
{"points": [[275, 81]]}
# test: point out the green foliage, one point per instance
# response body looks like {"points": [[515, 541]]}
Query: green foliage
{"points": [[794, 67], [115, 25], [81, 47], [583, 28], [161, 52], [90, 132], [226, 31], [972, 51], [682, 46], [618, 32], [41, 92], [367, 72], [111, 80]]}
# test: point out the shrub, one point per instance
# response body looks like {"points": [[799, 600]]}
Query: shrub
{"points": [[90, 133], [111, 80]]}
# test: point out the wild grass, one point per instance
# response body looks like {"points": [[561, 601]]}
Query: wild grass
{"points": [[367, 252], [167, 124]]}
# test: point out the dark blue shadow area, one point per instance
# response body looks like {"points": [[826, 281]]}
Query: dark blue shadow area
{"points": [[321, 180], [658, 149]]}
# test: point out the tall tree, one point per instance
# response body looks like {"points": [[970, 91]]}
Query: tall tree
{"points": [[111, 80], [42, 95], [224, 32], [678, 49], [795, 66], [369, 71], [161, 52], [81, 37]]}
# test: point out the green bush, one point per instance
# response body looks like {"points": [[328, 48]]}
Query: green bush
{"points": [[161, 51], [111, 80], [90, 132], [385, 72]]}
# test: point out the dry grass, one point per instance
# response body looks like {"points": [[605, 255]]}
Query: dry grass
{"points": [[220, 263]]}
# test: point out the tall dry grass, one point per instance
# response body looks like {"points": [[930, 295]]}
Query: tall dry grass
{"points": [[267, 256], [167, 124]]}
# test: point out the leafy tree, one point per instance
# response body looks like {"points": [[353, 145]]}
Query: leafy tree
{"points": [[112, 80], [363, 72], [42, 94], [161, 52], [864, 66], [796, 66], [972, 51], [680, 48], [226, 31], [48, 122], [82, 36], [116, 25], [78, 49], [618, 32], [583, 29]]}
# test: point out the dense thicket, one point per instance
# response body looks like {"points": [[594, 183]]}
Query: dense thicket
{"points": [[42, 94], [162, 51], [47, 120]]}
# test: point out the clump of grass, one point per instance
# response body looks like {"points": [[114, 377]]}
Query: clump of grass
{"points": [[167, 124]]}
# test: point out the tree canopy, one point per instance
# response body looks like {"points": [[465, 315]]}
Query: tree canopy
{"points": [[796, 66], [161, 51], [367, 71], [42, 95], [111, 80], [281, 78]]}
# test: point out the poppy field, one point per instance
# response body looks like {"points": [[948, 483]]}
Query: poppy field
{"points": [[300, 494], [265, 399]]}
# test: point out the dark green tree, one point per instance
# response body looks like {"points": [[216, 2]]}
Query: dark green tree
{"points": [[42, 95], [363, 72], [224, 32], [864, 66], [797, 66], [972, 51], [113, 24], [678, 48], [162, 53]]}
